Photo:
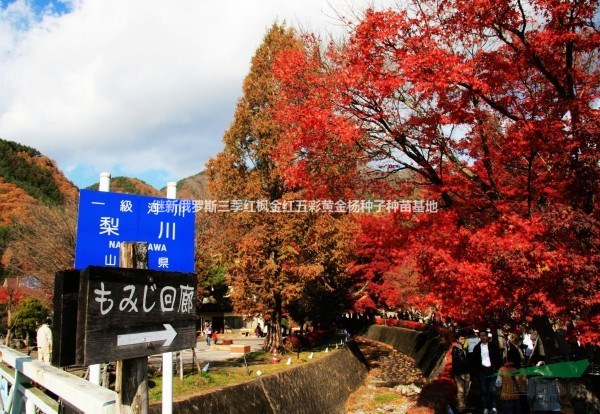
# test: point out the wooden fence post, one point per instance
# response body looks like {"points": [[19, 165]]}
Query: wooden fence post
{"points": [[132, 374]]}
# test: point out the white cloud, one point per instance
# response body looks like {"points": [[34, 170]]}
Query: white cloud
{"points": [[143, 87]]}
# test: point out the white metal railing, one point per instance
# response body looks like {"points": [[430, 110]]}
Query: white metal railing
{"points": [[22, 375]]}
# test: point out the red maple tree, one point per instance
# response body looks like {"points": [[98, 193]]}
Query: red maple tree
{"points": [[490, 108]]}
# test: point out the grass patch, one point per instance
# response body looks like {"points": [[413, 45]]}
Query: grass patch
{"points": [[386, 398], [375, 400], [224, 373], [198, 383]]}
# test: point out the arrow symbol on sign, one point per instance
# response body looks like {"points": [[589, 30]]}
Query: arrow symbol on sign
{"points": [[146, 337]]}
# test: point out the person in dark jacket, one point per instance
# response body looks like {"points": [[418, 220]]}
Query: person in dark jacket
{"points": [[486, 363], [514, 354], [460, 372]]}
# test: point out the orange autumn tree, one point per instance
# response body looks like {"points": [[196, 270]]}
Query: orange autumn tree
{"points": [[489, 107], [41, 244], [274, 260]]}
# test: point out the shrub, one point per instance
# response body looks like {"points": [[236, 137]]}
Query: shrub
{"points": [[310, 340], [293, 343], [317, 338]]}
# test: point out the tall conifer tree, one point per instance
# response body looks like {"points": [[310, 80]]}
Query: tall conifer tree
{"points": [[271, 257]]}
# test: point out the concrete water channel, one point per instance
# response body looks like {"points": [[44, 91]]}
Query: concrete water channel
{"points": [[365, 376]]}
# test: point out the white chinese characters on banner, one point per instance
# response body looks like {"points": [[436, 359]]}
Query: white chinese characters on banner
{"points": [[170, 299], [163, 262], [167, 230], [170, 207], [300, 206], [126, 206], [109, 226]]}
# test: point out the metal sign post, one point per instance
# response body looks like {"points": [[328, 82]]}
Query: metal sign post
{"points": [[96, 369], [106, 223], [167, 357]]}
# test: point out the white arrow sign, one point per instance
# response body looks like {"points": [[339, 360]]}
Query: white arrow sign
{"points": [[146, 337]]}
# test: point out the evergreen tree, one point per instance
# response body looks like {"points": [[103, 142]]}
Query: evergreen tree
{"points": [[29, 315]]}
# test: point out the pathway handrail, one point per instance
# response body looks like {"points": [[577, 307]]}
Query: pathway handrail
{"points": [[77, 392]]}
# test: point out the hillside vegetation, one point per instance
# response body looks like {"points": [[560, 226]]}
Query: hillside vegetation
{"points": [[35, 174], [129, 186], [194, 187], [36, 196], [27, 178]]}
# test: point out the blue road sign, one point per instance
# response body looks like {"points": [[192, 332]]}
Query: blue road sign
{"points": [[108, 219]]}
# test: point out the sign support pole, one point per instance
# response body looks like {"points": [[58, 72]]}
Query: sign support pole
{"points": [[95, 369], [167, 357], [132, 374]]}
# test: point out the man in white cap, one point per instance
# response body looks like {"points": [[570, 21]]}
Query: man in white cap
{"points": [[44, 342]]}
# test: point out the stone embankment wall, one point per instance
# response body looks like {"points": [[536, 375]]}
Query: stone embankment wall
{"points": [[319, 387], [425, 347]]}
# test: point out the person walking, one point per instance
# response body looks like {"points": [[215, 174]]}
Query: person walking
{"points": [[460, 372], [207, 332], [44, 341], [511, 388], [487, 361]]}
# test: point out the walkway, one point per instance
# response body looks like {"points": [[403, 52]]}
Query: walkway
{"points": [[212, 353], [203, 352]]}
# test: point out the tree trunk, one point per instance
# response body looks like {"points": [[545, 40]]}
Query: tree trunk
{"points": [[8, 322], [273, 340], [9, 331], [9, 335]]}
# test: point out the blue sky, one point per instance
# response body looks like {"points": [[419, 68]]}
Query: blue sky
{"points": [[39, 8], [143, 88], [52, 6]]}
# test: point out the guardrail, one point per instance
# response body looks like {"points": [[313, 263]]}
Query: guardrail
{"points": [[25, 376]]}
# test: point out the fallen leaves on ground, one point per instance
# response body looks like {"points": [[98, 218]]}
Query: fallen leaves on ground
{"points": [[388, 386]]}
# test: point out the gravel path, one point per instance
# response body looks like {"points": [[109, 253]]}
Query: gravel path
{"points": [[392, 384]]}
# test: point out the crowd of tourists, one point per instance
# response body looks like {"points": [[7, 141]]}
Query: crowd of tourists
{"points": [[499, 371], [488, 373]]}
